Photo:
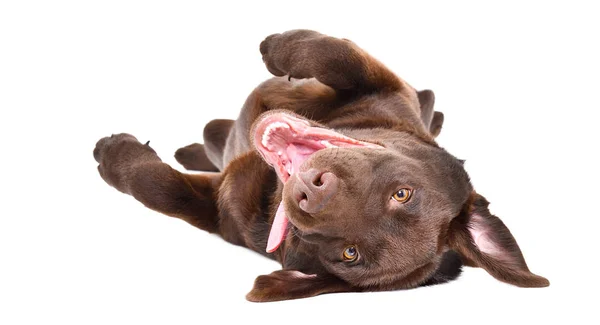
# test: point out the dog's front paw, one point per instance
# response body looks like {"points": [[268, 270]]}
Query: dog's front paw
{"points": [[283, 53], [267, 49], [118, 155]]}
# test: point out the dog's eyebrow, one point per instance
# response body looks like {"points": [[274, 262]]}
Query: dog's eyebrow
{"points": [[320, 238]]}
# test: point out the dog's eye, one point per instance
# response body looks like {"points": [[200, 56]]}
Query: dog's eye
{"points": [[350, 254], [402, 195]]}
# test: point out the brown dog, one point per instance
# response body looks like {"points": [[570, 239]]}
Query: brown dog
{"points": [[358, 196]]}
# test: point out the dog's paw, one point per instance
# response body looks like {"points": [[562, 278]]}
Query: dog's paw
{"points": [[267, 49], [282, 53], [118, 155], [193, 157]]}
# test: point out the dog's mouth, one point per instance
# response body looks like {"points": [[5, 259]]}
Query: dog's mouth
{"points": [[286, 143]]}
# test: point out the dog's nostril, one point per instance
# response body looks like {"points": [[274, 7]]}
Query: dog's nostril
{"points": [[317, 180], [314, 189]]}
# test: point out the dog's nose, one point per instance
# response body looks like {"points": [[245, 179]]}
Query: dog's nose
{"points": [[314, 188]]}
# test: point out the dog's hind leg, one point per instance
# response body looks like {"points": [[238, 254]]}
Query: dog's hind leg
{"points": [[135, 169], [207, 156], [193, 157]]}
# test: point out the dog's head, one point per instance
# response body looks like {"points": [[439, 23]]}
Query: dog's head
{"points": [[378, 208]]}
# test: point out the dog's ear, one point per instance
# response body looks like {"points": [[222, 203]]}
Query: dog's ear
{"points": [[484, 241], [426, 101], [290, 284], [432, 119]]}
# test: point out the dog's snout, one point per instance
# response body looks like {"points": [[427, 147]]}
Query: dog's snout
{"points": [[314, 188]]}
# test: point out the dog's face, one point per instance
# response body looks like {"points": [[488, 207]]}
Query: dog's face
{"points": [[377, 209], [377, 214]]}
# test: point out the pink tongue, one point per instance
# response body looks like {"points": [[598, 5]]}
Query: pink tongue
{"points": [[298, 154], [278, 229]]}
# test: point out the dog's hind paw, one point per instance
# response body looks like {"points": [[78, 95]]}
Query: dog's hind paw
{"points": [[193, 157]]}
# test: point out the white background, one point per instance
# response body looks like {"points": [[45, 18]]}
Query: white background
{"points": [[518, 84]]}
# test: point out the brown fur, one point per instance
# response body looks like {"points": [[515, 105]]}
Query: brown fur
{"points": [[420, 242]]}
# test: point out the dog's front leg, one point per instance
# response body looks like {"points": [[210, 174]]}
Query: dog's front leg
{"points": [[134, 168], [338, 63]]}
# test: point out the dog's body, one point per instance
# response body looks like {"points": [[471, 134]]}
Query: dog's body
{"points": [[373, 202]]}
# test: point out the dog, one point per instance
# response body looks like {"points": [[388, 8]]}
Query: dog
{"points": [[335, 174]]}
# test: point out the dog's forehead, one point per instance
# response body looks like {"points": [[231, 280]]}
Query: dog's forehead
{"points": [[416, 164], [430, 162]]}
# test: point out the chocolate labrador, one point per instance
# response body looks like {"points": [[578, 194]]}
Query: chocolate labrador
{"points": [[336, 176]]}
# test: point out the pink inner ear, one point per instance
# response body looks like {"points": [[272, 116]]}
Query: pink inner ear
{"points": [[481, 235], [300, 275]]}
